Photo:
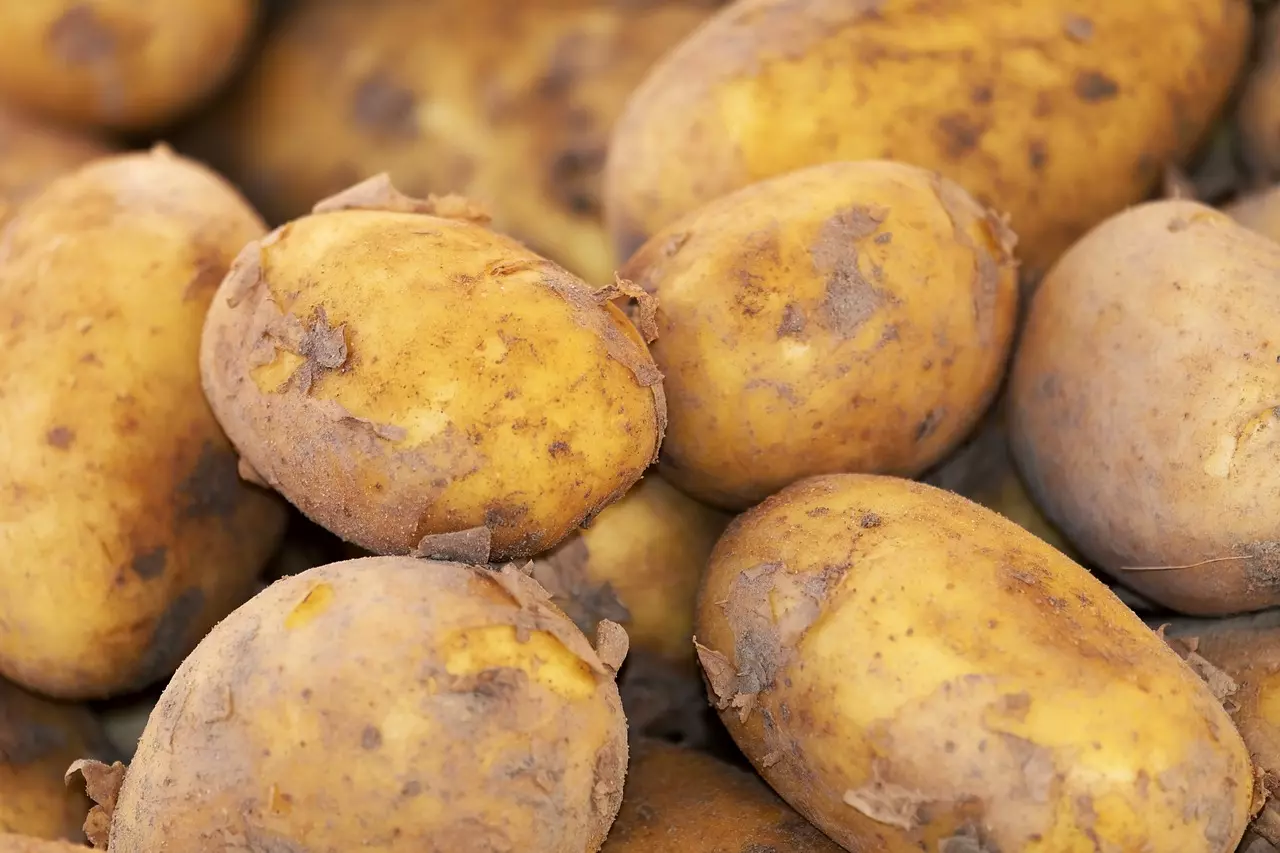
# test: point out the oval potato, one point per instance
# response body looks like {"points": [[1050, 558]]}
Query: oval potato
{"points": [[32, 153]]}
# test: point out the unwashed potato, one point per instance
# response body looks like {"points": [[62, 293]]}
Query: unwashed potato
{"points": [[1258, 211], [1060, 112], [685, 801], [39, 739], [415, 382], [125, 531], [120, 64], [26, 844], [507, 103], [1145, 413], [454, 708], [32, 153], [912, 671], [844, 317], [1258, 115]]}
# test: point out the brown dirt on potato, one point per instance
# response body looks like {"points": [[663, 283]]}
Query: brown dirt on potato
{"points": [[470, 546], [612, 644], [378, 193], [149, 564], [79, 37], [60, 437], [851, 298], [213, 488], [888, 803], [1078, 28], [383, 107], [565, 574], [1094, 87], [102, 785], [1220, 684], [538, 613], [645, 312], [169, 639]]}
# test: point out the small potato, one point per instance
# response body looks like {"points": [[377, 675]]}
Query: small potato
{"points": [[27, 844], [418, 383], [1258, 211], [386, 702], [33, 153], [911, 671], [1146, 406], [120, 64], [845, 317], [125, 530]]}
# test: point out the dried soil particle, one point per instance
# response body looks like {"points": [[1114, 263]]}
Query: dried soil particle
{"points": [[537, 613], [60, 437], [960, 134], [1222, 685], [646, 305], [887, 803], [793, 320], [102, 785], [851, 299], [1094, 86], [322, 347], [463, 546]]}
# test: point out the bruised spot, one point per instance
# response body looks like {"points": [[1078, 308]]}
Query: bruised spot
{"points": [[80, 38], [1094, 86], [169, 639], [382, 106], [1037, 155], [149, 564], [212, 489], [370, 738], [869, 520], [315, 602], [981, 94], [60, 437], [499, 515], [930, 423], [959, 134], [412, 788]]}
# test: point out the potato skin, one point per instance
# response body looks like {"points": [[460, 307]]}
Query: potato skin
{"points": [[1258, 211], [26, 844], [32, 153], [430, 377], [1144, 414], [844, 317], [1060, 112], [119, 64], [910, 670], [115, 480], [498, 725]]}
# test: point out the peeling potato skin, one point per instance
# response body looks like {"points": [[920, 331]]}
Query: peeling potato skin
{"points": [[682, 800], [32, 153], [473, 384], [315, 672], [1145, 398], [799, 336], [125, 530], [1258, 211], [26, 844], [1060, 112], [930, 675]]}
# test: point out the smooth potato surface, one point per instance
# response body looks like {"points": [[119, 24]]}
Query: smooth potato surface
{"points": [[32, 153], [1144, 414], [912, 671]]}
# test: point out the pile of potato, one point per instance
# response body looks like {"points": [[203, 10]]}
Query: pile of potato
{"points": [[762, 426]]}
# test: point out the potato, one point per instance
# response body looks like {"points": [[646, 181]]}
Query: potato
{"points": [[125, 530], [418, 383], [1145, 416], [33, 153], [497, 727], [845, 317], [912, 671], [120, 64], [27, 844], [1059, 112], [681, 800], [1258, 211], [507, 103], [1258, 115]]}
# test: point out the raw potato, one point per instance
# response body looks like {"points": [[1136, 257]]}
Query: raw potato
{"points": [[845, 317], [507, 103], [125, 531], [121, 64], [497, 727], [1060, 112], [38, 741], [415, 382], [684, 801], [33, 153], [1258, 211], [1258, 117], [26, 844], [1145, 417], [912, 671]]}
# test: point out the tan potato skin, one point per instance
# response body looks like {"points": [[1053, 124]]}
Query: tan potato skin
{"points": [[1144, 415], [119, 64], [797, 335], [1258, 211], [26, 844], [470, 384], [125, 530], [1059, 112], [507, 103], [32, 153], [910, 670], [486, 732]]}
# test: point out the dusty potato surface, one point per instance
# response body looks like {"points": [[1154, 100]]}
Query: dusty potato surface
{"points": [[912, 671], [32, 153], [1144, 413]]}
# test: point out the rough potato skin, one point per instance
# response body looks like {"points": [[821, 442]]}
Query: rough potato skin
{"points": [[912, 671], [1060, 112], [1145, 417], [32, 153], [125, 530], [495, 728], [844, 317], [1258, 211], [119, 64], [26, 844], [399, 375]]}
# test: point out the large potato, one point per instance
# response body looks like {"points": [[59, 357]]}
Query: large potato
{"points": [[912, 671], [32, 153], [507, 103], [454, 708], [122, 64], [1060, 112], [417, 382], [844, 317], [125, 531], [1145, 416]]}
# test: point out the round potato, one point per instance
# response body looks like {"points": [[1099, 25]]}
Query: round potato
{"points": [[912, 671], [497, 728], [32, 153], [844, 317], [1145, 417], [417, 383], [1258, 211], [120, 64], [125, 530], [1060, 112]]}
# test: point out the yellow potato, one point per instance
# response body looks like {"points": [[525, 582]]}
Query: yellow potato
{"points": [[125, 531], [414, 382], [911, 671], [1144, 405], [844, 317], [1258, 211], [1060, 112], [33, 153]]}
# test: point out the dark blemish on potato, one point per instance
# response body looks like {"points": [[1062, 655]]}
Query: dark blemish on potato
{"points": [[930, 423], [1094, 86], [869, 520], [26, 743], [90, 358], [207, 273], [412, 788], [793, 320], [818, 512], [558, 449], [169, 639], [884, 239], [574, 177], [80, 38], [213, 488], [322, 347], [564, 574], [1049, 386], [370, 738], [1037, 154], [149, 564], [851, 299], [1078, 28], [382, 106], [60, 437], [960, 134], [981, 94]]}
